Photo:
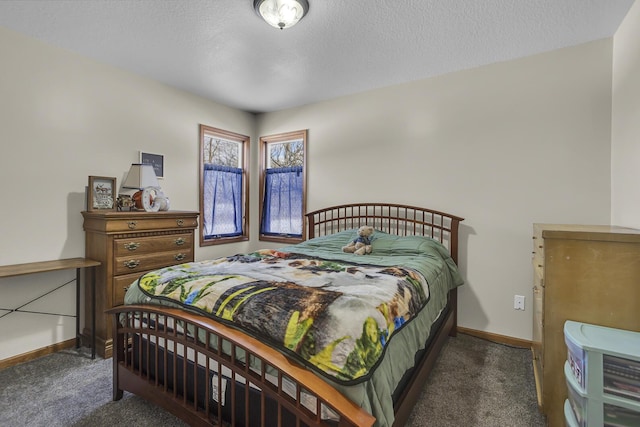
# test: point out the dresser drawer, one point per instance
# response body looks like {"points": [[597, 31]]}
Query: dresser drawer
{"points": [[538, 247], [538, 318], [538, 258], [133, 263], [120, 286], [538, 375], [145, 224], [134, 223], [538, 275], [146, 245]]}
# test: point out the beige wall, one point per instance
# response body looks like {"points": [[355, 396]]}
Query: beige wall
{"points": [[625, 132], [503, 145], [64, 117]]}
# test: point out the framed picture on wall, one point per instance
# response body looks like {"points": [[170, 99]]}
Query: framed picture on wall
{"points": [[101, 194], [155, 160]]}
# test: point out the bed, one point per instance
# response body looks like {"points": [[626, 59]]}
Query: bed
{"points": [[177, 346]]}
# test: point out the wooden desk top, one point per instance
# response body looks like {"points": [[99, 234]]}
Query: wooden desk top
{"points": [[44, 266]]}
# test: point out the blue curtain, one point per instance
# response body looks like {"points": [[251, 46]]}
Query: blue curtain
{"points": [[222, 201], [282, 209]]}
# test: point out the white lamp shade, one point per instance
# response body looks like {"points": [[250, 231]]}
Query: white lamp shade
{"points": [[281, 13], [141, 176]]}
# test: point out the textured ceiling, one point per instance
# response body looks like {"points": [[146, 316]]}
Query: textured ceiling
{"points": [[221, 50]]}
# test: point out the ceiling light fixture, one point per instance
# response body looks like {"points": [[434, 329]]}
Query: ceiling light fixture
{"points": [[281, 13]]}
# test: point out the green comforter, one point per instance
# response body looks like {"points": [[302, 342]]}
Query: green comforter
{"points": [[394, 311]]}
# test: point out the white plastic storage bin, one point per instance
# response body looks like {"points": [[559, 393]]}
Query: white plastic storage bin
{"points": [[568, 415], [577, 398], [602, 372], [577, 359]]}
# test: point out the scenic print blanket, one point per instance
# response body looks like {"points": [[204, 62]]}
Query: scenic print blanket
{"points": [[334, 316]]}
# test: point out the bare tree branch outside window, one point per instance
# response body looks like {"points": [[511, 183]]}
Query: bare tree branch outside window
{"points": [[221, 152], [286, 154]]}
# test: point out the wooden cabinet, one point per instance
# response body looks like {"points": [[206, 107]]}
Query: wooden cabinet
{"points": [[583, 273], [129, 244]]}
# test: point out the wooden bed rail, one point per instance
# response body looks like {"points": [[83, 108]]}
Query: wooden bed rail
{"points": [[295, 391], [402, 220]]}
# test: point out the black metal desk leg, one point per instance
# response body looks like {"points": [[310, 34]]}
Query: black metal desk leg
{"points": [[93, 309], [78, 307], [93, 312]]}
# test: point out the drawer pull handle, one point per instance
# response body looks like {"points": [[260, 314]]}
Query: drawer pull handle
{"points": [[132, 246], [180, 222], [126, 288], [132, 224], [132, 263], [180, 257], [180, 241]]}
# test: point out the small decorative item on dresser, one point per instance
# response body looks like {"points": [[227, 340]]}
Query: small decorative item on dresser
{"points": [[125, 202], [150, 196], [151, 199], [101, 195]]}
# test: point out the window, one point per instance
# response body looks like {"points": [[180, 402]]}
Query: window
{"points": [[283, 187], [223, 186]]}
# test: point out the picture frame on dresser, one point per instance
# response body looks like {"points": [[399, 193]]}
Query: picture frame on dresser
{"points": [[101, 193]]}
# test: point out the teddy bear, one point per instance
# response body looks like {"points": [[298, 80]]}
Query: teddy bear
{"points": [[362, 244]]}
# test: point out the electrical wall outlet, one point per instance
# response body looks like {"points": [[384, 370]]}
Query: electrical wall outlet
{"points": [[518, 302]]}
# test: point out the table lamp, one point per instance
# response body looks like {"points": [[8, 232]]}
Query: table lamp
{"points": [[149, 196]]}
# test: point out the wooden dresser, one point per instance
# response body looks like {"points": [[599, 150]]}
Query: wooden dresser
{"points": [[128, 244], [584, 273]]}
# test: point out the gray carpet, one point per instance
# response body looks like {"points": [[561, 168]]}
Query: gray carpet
{"points": [[474, 383]]}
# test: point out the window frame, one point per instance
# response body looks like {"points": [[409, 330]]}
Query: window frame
{"points": [[264, 142], [246, 142]]}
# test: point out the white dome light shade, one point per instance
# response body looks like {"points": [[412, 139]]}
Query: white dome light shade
{"points": [[281, 13]]}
